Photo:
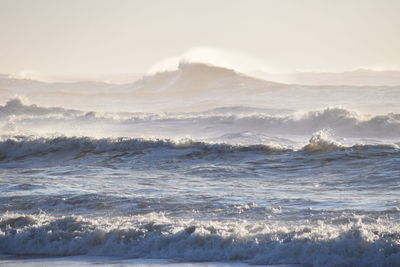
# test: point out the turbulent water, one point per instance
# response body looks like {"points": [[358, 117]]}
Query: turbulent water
{"points": [[236, 183]]}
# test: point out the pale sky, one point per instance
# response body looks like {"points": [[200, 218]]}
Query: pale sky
{"points": [[88, 37]]}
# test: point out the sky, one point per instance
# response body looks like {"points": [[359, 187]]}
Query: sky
{"points": [[97, 37]]}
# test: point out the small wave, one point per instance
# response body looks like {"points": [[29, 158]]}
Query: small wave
{"points": [[352, 243], [321, 142]]}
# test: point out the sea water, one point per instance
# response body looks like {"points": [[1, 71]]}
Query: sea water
{"points": [[231, 185]]}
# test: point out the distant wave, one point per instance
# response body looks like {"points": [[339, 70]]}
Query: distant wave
{"points": [[15, 106], [340, 121], [342, 242]]}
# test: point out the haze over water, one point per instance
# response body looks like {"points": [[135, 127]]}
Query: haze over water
{"points": [[209, 158]]}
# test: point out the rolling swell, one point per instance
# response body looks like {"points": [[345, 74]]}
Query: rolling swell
{"points": [[23, 146], [336, 243], [19, 147]]}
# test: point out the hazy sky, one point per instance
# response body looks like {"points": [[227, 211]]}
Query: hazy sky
{"points": [[130, 36]]}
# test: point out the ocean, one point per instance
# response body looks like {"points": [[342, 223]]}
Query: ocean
{"points": [[256, 181]]}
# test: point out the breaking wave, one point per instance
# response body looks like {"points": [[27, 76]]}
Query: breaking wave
{"points": [[350, 242]]}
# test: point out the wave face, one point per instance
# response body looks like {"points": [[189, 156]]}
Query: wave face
{"points": [[254, 184]]}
